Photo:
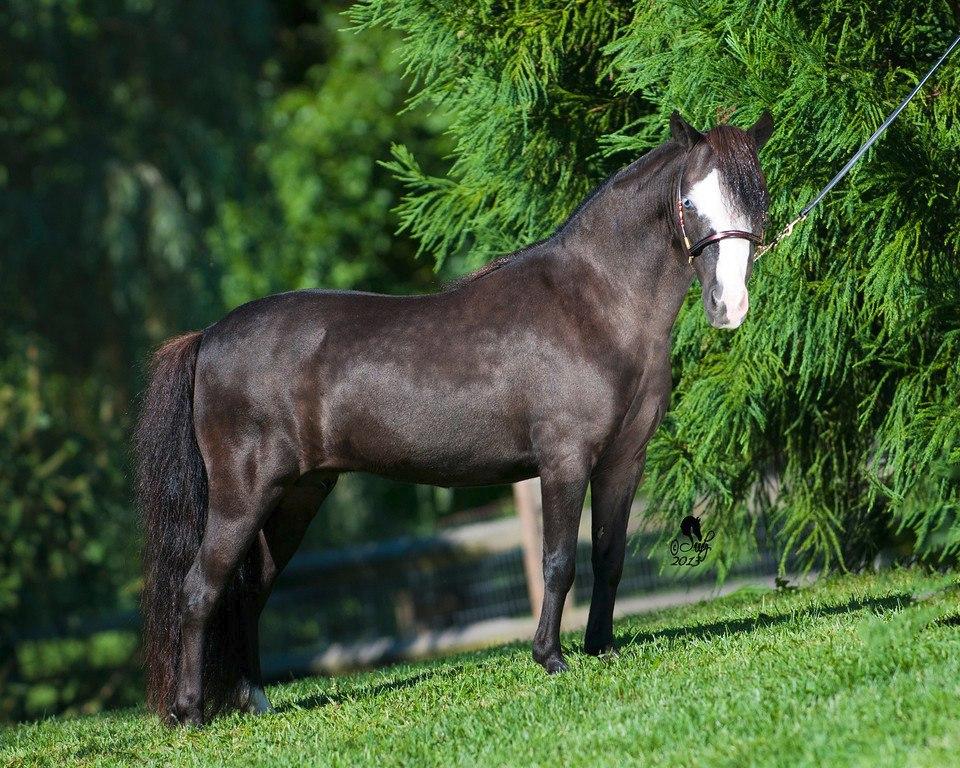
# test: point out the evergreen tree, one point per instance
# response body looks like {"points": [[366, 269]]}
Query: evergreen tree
{"points": [[835, 410]]}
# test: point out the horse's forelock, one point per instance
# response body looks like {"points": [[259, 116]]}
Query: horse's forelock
{"points": [[736, 155]]}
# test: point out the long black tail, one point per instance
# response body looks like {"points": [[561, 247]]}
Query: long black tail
{"points": [[172, 496]]}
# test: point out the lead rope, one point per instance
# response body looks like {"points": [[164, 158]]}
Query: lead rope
{"points": [[788, 230]]}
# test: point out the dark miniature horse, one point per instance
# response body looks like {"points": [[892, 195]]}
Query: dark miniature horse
{"points": [[554, 361]]}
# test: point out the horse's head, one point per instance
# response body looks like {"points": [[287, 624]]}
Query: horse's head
{"points": [[690, 526], [721, 191]]}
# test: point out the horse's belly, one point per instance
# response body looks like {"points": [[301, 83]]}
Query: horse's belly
{"points": [[440, 440]]}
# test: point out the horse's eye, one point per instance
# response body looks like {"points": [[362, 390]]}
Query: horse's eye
{"points": [[687, 203]]}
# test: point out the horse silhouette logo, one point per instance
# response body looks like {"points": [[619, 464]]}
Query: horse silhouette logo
{"points": [[692, 545], [690, 527]]}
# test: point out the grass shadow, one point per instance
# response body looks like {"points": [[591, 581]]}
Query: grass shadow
{"points": [[737, 626], [877, 605], [948, 621], [316, 700], [451, 664]]}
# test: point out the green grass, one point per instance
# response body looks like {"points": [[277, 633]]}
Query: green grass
{"points": [[857, 670]]}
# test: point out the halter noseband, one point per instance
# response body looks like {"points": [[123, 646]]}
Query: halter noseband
{"points": [[692, 251]]}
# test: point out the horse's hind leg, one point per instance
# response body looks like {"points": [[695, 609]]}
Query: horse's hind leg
{"points": [[612, 492], [236, 511], [277, 541]]}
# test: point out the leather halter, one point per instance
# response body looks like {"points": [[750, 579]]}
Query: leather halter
{"points": [[692, 251]]}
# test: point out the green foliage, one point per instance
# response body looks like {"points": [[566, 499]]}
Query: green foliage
{"points": [[160, 162], [64, 546], [119, 133], [835, 410], [318, 209], [856, 671], [527, 101], [120, 125], [45, 492]]}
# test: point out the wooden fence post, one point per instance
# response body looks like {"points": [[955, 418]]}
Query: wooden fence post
{"points": [[526, 498]]}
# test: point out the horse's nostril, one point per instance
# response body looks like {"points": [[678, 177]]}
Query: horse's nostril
{"points": [[715, 297]]}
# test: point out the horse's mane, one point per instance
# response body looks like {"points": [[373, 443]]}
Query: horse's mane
{"points": [[486, 269], [736, 155], [640, 165]]}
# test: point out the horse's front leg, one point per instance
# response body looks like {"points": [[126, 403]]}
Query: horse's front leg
{"points": [[563, 487], [612, 492]]}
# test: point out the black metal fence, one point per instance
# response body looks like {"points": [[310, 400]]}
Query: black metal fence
{"points": [[409, 586]]}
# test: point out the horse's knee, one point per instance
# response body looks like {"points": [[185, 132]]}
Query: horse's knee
{"points": [[558, 571]]}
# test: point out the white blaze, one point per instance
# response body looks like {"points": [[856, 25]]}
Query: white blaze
{"points": [[709, 200]]}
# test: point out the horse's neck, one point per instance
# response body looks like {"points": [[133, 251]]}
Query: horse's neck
{"points": [[625, 235]]}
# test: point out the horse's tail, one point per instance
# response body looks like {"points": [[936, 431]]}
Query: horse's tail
{"points": [[171, 488]]}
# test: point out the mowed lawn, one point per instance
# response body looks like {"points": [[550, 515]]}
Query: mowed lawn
{"points": [[855, 670]]}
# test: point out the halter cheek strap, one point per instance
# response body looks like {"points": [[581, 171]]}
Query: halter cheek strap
{"points": [[692, 251]]}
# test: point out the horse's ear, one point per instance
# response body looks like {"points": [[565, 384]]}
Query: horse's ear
{"points": [[682, 132], [761, 130]]}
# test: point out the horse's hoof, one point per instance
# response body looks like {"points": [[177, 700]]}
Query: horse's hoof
{"points": [[185, 718], [555, 666], [257, 702], [250, 698], [605, 652]]}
